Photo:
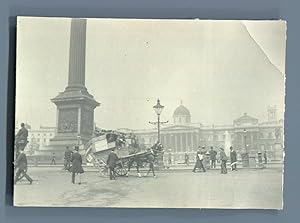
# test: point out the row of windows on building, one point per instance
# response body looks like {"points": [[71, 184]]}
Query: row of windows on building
{"points": [[38, 140], [221, 137], [33, 135], [40, 137]]}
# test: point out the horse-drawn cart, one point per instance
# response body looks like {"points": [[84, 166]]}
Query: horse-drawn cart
{"points": [[127, 149]]}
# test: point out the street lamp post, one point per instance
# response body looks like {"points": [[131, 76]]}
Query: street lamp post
{"points": [[245, 143], [245, 156], [78, 140], [158, 110]]}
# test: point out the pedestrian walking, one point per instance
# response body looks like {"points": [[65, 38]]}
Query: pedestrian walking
{"points": [[223, 159], [76, 167], [21, 165], [213, 157], [233, 159], [53, 162], [112, 162], [186, 159], [199, 161], [265, 157], [170, 159], [67, 158]]}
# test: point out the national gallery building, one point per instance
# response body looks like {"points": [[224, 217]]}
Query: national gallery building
{"points": [[245, 134]]}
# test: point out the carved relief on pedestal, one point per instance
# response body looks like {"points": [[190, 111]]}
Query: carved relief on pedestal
{"points": [[68, 120], [87, 121]]}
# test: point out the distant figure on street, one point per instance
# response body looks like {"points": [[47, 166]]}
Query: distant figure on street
{"points": [[76, 165], [170, 159], [233, 159], [53, 162], [223, 159], [213, 157], [112, 162], [21, 164], [186, 159], [199, 161], [21, 139], [67, 158], [265, 157]]}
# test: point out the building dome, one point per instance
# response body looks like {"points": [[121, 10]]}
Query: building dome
{"points": [[181, 115], [181, 111]]}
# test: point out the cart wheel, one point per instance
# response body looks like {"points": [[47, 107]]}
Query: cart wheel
{"points": [[121, 170], [103, 171]]}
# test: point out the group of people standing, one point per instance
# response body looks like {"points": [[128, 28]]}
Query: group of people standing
{"points": [[201, 153]]}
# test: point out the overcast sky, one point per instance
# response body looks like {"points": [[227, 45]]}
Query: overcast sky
{"points": [[219, 69]]}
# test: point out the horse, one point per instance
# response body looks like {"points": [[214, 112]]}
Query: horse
{"points": [[133, 150], [148, 158]]}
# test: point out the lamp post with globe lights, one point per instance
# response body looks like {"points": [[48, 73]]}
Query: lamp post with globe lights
{"points": [[158, 110]]}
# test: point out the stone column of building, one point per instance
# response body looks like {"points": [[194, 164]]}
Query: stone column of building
{"points": [[198, 140], [192, 141], [187, 146], [252, 141], [181, 142], [175, 141]]}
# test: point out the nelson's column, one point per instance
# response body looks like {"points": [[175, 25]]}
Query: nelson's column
{"points": [[75, 106]]}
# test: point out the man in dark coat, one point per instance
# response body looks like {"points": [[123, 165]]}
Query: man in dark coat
{"points": [[21, 164], [67, 158], [233, 159], [151, 160], [112, 162], [76, 165], [213, 157], [21, 139], [265, 157], [223, 159]]}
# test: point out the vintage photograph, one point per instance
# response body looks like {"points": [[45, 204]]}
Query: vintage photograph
{"points": [[149, 113]]}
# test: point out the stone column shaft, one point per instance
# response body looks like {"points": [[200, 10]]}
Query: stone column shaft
{"points": [[77, 53]]}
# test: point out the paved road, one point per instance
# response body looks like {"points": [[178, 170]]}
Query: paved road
{"points": [[242, 189]]}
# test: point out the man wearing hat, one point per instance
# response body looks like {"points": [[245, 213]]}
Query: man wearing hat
{"points": [[76, 165], [213, 157], [112, 162], [223, 159], [21, 139]]}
